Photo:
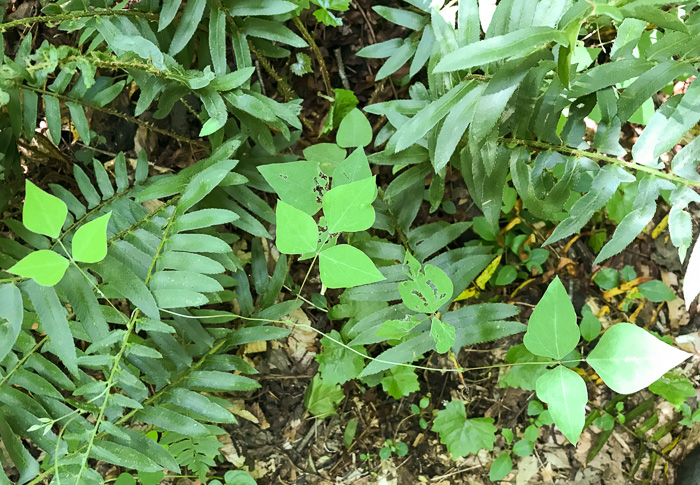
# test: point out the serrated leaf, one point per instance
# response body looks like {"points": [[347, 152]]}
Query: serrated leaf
{"points": [[668, 124], [348, 208], [629, 358], [322, 398], [552, 330], [191, 15], [337, 364], [297, 231], [170, 420], [89, 243], [354, 130], [400, 381], [674, 387], [522, 376], [443, 334], [513, 44], [461, 435], [44, 266], [43, 213], [344, 266], [565, 393]]}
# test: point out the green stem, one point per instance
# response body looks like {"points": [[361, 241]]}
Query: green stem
{"points": [[118, 114], [64, 17], [317, 54], [602, 158]]}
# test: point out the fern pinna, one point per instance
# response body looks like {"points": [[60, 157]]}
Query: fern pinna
{"points": [[115, 342]]}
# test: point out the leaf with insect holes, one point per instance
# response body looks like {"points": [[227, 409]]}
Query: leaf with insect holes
{"points": [[427, 291], [296, 183], [90, 241], [443, 334], [44, 266], [43, 213]]}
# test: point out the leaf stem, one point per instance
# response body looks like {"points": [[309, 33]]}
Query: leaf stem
{"points": [[602, 158]]}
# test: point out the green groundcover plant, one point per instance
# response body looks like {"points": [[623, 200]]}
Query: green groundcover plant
{"points": [[116, 339]]}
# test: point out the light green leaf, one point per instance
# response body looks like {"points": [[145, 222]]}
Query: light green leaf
{"points": [[191, 15], [203, 218], [90, 240], [656, 291], [348, 208], [674, 387], [500, 467], [52, 316], [400, 381], [167, 13], [295, 183], [427, 291], [669, 123], [565, 393], [516, 43], [11, 313], [52, 109], [203, 183], [275, 31], [461, 435], [121, 455], [337, 364], [354, 130], [629, 358], [352, 169], [590, 325], [327, 155], [344, 266], [297, 231], [127, 284], [415, 129], [216, 381], [43, 213], [691, 285], [44, 266], [217, 40], [443, 334], [522, 376], [404, 18], [396, 329], [321, 398], [552, 330]]}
